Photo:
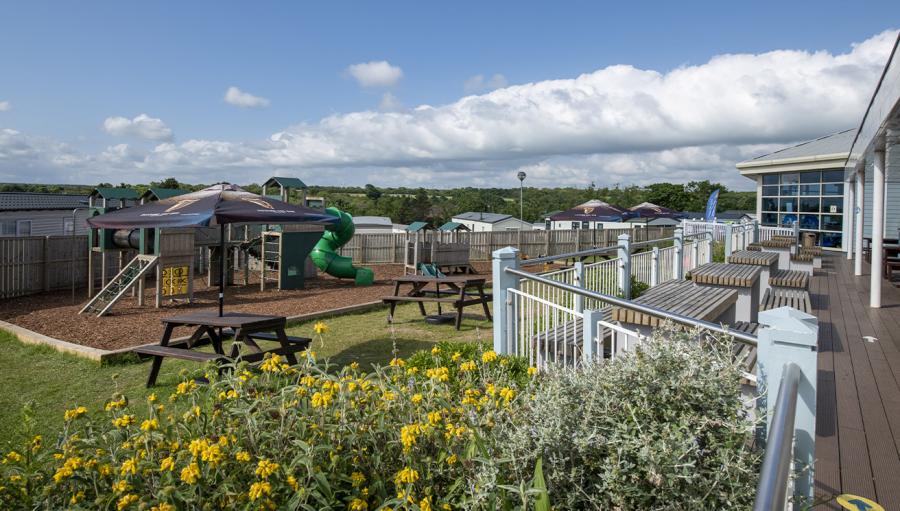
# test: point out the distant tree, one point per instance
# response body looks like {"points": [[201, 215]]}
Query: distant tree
{"points": [[373, 193], [170, 183]]}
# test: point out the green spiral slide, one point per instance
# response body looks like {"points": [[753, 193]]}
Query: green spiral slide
{"points": [[325, 256]]}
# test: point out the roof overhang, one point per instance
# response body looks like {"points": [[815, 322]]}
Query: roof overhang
{"points": [[817, 162]]}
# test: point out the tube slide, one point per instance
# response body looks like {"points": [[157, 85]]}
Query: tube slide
{"points": [[326, 259]]}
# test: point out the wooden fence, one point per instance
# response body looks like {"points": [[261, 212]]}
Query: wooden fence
{"points": [[37, 264]]}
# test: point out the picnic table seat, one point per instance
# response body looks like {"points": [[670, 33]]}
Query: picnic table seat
{"points": [[755, 247], [796, 279], [757, 258], [680, 297], [777, 243], [180, 353], [804, 257], [268, 336], [796, 298], [813, 251]]}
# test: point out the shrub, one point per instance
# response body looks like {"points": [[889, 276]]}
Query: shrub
{"points": [[662, 428]]}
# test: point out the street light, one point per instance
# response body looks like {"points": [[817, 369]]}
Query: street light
{"points": [[521, 175]]}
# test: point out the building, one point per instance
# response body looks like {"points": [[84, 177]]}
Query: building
{"points": [[593, 214], [481, 222], [42, 214], [376, 225], [804, 183]]}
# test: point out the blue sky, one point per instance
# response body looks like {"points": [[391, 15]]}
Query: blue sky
{"points": [[69, 67]]}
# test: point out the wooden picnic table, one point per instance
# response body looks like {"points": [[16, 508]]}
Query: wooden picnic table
{"points": [[209, 327], [753, 257], [727, 274], [681, 297], [460, 292]]}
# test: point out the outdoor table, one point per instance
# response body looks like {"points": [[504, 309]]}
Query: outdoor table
{"points": [[714, 304], [244, 326], [457, 293], [767, 262], [743, 278], [783, 247]]}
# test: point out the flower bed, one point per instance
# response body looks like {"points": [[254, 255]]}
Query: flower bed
{"points": [[454, 428]]}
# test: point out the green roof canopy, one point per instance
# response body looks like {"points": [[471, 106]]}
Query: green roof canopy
{"points": [[115, 193], [416, 226], [287, 182], [452, 226], [162, 193]]}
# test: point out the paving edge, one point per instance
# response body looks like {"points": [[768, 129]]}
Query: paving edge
{"points": [[103, 356]]}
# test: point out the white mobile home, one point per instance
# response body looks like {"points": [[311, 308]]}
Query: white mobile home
{"points": [[42, 214], [481, 222]]}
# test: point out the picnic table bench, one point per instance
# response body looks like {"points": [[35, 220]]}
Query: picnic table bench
{"points": [[781, 246], [796, 298], [715, 304], [243, 327], [766, 261], [743, 278], [803, 262], [790, 278], [462, 291]]}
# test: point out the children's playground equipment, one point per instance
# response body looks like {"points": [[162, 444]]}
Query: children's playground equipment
{"points": [[284, 255], [436, 253]]}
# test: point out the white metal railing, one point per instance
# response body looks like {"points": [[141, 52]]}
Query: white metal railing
{"points": [[544, 332], [642, 266], [767, 232], [717, 229]]}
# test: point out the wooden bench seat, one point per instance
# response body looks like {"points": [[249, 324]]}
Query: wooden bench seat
{"points": [[790, 278], [756, 258], [796, 298], [813, 251], [182, 353], [681, 297], [726, 274], [754, 247], [268, 336], [777, 243], [434, 299]]}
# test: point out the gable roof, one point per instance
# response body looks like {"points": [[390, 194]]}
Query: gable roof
{"points": [[31, 201], [287, 182], [416, 226], [372, 221], [830, 151], [593, 210], [488, 218], [162, 193], [452, 226], [114, 193]]}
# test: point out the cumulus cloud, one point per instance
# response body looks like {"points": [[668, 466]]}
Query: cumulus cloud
{"points": [[618, 124], [390, 103], [237, 97], [479, 83], [375, 74], [4, 106], [142, 126]]}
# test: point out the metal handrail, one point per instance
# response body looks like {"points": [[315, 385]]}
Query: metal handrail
{"points": [[773, 478], [628, 304], [583, 253], [651, 242]]}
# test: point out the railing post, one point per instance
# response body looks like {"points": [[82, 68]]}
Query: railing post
{"points": [[589, 329], [678, 270], [579, 281], [654, 267], [625, 265], [695, 252], [502, 259], [729, 232], [795, 226], [755, 231], [790, 336]]}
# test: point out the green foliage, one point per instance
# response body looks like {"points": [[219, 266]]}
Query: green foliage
{"points": [[638, 287], [718, 252]]}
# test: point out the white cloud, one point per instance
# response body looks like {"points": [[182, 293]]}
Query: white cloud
{"points": [[618, 124], [390, 103], [478, 83], [375, 74], [4, 106], [142, 126], [237, 97]]}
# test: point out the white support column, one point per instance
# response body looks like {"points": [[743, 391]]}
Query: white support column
{"points": [[579, 281], [654, 267], [729, 241], [851, 217], [625, 265], [877, 229], [678, 270], [590, 330], [755, 238], [858, 224], [504, 258]]}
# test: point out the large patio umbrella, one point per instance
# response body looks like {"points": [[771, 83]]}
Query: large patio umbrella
{"points": [[218, 205], [650, 210]]}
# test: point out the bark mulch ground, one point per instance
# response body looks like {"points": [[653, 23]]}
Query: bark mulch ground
{"points": [[128, 325]]}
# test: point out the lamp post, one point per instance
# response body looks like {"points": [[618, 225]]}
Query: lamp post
{"points": [[521, 175]]}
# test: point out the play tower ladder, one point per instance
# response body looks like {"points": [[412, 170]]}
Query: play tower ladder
{"points": [[120, 284]]}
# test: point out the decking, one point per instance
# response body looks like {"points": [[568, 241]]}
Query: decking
{"points": [[858, 408]]}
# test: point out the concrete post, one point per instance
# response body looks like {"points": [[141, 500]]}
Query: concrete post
{"points": [[755, 232], [877, 229], [502, 259], [790, 336], [654, 267], [858, 224], [678, 270], [729, 242], [590, 329], [625, 265], [579, 281]]}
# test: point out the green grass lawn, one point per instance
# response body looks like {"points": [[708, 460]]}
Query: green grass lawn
{"points": [[53, 381]]}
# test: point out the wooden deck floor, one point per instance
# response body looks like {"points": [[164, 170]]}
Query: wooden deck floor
{"points": [[858, 408]]}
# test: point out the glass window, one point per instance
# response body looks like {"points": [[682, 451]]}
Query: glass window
{"points": [[770, 191], [788, 190], [832, 222], [790, 179], [809, 221], [576, 225], [832, 176], [23, 227], [770, 219], [811, 177], [831, 240], [833, 189], [789, 205], [832, 204], [585, 225], [7, 227], [770, 179], [769, 204], [809, 205], [788, 220], [810, 190]]}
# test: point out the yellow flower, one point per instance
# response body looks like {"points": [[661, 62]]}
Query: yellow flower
{"points": [[126, 501], [76, 497], [129, 466], [452, 459], [321, 399], [191, 473], [438, 373], [488, 356], [406, 476], [68, 469], [167, 464], [397, 362], [320, 327], [467, 366], [151, 398], [163, 506], [123, 421], [434, 417], [36, 443], [186, 387], [436, 350], [265, 468], [74, 413], [272, 364], [115, 405], [260, 489], [532, 371], [357, 478], [416, 399], [507, 393], [242, 456], [354, 365], [12, 456], [425, 504], [149, 425], [358, 505], [121, 486], [292, 482], [456, 356], [388, 395]]}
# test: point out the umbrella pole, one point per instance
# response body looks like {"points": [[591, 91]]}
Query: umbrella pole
{"points": [[221, 268]]}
